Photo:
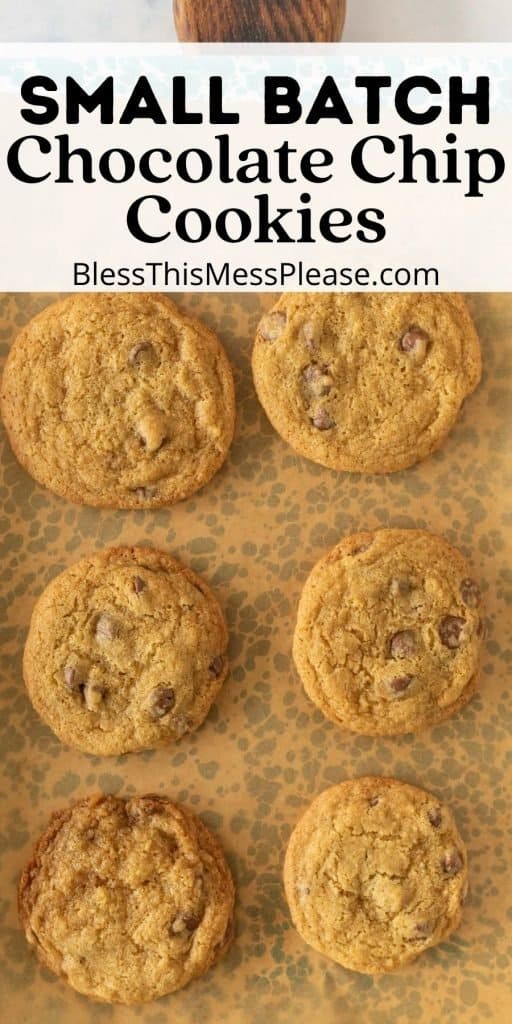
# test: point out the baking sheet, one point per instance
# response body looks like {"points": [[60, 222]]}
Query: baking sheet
{"points": [[255, 532]]}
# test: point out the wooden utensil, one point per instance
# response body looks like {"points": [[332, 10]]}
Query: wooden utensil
{"points": [[259, 21]]}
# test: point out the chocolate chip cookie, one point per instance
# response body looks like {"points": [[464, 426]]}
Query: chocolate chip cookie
{"points": [[126, 651], [118, 400], [375, 873], [389, 632], [365, 383], [127, 900]]}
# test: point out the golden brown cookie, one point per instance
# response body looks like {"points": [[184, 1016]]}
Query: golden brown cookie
{"points": [[127, 900], [126, 651], [375, 873], [365, 383], [389, 632], [118, 400]]}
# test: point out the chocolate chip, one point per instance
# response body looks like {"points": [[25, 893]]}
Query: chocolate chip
{"points": [[177, 927], [322, 420], [106, 628], [184, 923], [192, 922], [216, 666], [373, 801], [403, 644], [138, 584], [400, 684], [311, 373], [308, 334], [470, 593], [450, 629], [272, 325], [142, 352], [452, 863], [317, 380], [415, 342], [73, 679], [163, 701], [434, 816]]}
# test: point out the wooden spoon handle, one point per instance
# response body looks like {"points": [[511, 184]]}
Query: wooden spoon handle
{"points": [[259, 21]]}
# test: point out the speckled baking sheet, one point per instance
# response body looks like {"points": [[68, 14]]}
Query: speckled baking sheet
{"points": [[263, 753]]}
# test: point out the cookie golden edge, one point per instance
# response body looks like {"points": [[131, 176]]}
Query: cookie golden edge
{"points": [[9, 415], [206, 840], [267, 398], [132, 555], [348, 546], [366, 786]]}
